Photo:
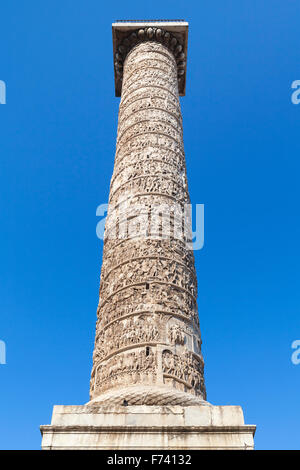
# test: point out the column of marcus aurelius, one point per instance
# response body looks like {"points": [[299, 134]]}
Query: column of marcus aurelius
{"points": [[147, 348], [147, 383]]}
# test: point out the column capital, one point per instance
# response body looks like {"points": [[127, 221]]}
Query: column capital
{"points": [[171, 33]]}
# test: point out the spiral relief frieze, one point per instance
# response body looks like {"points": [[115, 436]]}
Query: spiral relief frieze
{"points": [[147, 331]]}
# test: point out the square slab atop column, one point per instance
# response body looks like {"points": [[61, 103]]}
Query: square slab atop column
{"points": [[177, 28]]}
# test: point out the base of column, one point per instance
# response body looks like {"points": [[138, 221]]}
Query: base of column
{"points": [[148, 427]]}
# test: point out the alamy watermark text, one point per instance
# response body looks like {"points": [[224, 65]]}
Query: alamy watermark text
{"points": [[2, 92]]}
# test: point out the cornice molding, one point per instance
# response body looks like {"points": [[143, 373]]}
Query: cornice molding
{"points": [[126, 36]]}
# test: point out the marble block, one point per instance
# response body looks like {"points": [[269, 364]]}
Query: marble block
{"points": [[147, 427]]}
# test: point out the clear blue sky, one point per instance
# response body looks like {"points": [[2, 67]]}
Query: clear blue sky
{"points": [[242, 146]]}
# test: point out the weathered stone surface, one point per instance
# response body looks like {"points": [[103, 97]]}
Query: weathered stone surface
{"points": [[147, 329], [148, 427]]}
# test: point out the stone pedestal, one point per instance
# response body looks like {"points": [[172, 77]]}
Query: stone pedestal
{"points": [[148, 427]]}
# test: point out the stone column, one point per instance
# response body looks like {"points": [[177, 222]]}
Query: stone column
{"points": [[148, 349], [147, 335]]}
